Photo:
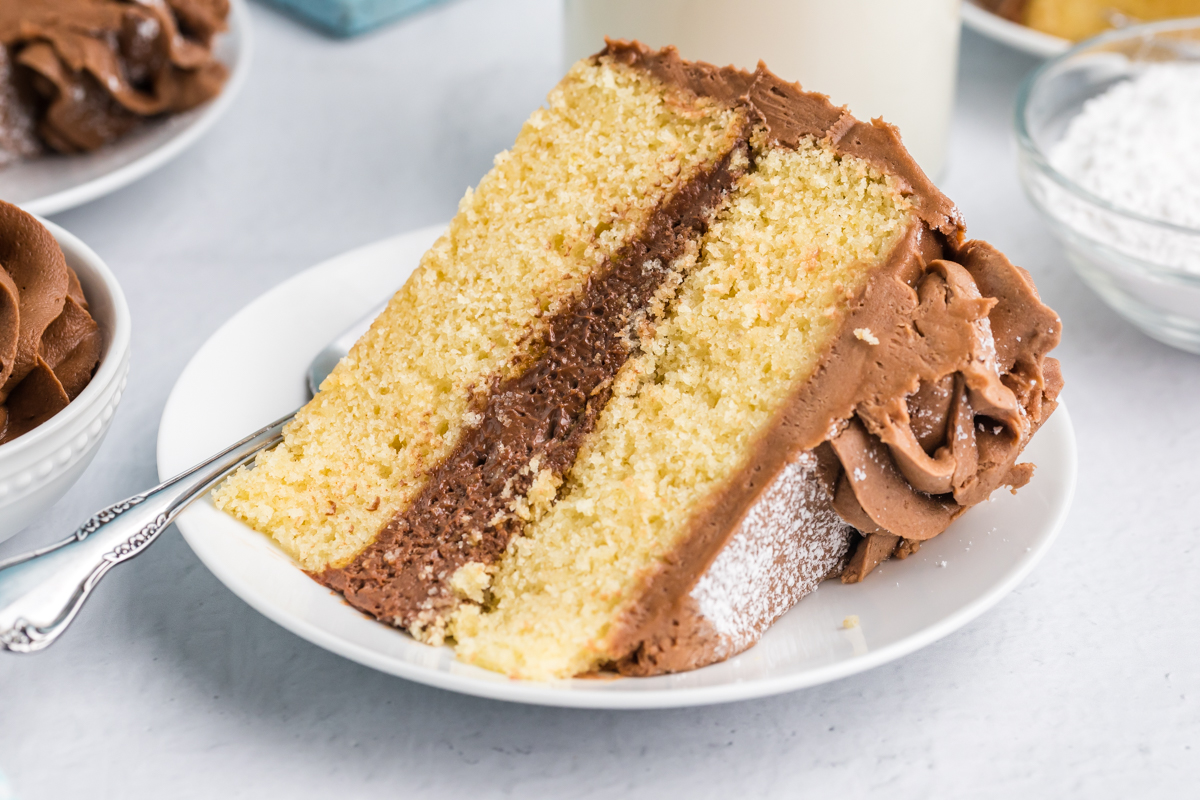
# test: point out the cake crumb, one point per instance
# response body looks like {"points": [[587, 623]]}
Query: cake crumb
{"points": [[544, 489], [865, 335], [850, 622], [427, 629], [471, 580]]}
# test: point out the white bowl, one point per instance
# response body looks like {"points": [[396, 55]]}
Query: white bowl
{"points": [[37, 469]]}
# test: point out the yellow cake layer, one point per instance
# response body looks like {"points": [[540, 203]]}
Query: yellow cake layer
{"points": [[797, 239], [582, 178]]}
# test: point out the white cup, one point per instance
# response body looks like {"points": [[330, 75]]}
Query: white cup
{"points": [[895, 59]]}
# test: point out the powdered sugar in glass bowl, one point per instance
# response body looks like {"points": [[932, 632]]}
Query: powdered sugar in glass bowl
{"points": [[1109, 151]]}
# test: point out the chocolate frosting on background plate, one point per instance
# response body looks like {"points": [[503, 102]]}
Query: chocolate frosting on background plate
{"points": [[80, 73]]}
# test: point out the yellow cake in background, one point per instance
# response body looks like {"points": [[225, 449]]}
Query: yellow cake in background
{"points": [[1080, 19]]}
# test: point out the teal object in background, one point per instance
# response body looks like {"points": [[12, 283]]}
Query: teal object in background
{"points": [[351, 17]]}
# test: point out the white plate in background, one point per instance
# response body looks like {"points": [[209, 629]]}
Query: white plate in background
{"points": [[252, 372], [1012, 33], [52, 183]]}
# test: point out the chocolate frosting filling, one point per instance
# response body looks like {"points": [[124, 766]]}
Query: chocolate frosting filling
{"points": [[83, 72], [49, 343], [530, 423]]}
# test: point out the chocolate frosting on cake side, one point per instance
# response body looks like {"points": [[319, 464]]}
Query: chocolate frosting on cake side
{"points": [[789, 114], [789, 540], [933, 387], [49, 343]]}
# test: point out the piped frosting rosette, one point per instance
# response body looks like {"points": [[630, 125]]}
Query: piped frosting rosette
{"points": [[951, 397], [84, 72], [49, 343]]}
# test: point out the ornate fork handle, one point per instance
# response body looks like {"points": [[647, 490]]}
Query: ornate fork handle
{"points": [[42, 591]]}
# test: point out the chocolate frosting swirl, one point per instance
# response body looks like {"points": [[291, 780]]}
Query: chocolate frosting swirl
{"points": [[959, 391], [84, 72], [49, 343]]}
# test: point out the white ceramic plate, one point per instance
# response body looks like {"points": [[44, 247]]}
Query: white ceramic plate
{"points": [[54, 183], [252, 371], [1011, 33]]}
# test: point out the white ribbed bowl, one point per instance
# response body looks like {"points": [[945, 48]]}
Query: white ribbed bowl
{"points": [[37, 469]]}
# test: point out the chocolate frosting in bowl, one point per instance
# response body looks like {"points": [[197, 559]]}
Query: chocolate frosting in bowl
{"points": [[49, 343], [87, 71]]}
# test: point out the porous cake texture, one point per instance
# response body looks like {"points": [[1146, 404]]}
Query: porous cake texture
{"points": [[697, 342], [584, 177]]}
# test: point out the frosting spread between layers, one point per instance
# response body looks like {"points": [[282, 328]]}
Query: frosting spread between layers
{"points": [[530, 427], [49, 343]]}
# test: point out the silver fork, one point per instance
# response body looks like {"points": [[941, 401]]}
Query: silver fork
{"points": [[41, 592]]}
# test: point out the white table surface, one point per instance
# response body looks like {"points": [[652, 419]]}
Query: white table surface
{"points": [[1085, 682]]}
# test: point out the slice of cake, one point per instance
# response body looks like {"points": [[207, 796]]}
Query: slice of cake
{"points": [[697, 342], [1079, 19]]}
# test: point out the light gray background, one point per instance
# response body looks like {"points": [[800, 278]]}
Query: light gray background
{"points": [[1082, 683]]}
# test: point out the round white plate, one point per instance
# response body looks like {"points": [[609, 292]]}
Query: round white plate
{"points": [[252, 372], [1011, 33], [54, 183]]}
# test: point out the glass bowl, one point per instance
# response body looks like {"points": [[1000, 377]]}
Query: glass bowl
{"points": [[1147, 269]]}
